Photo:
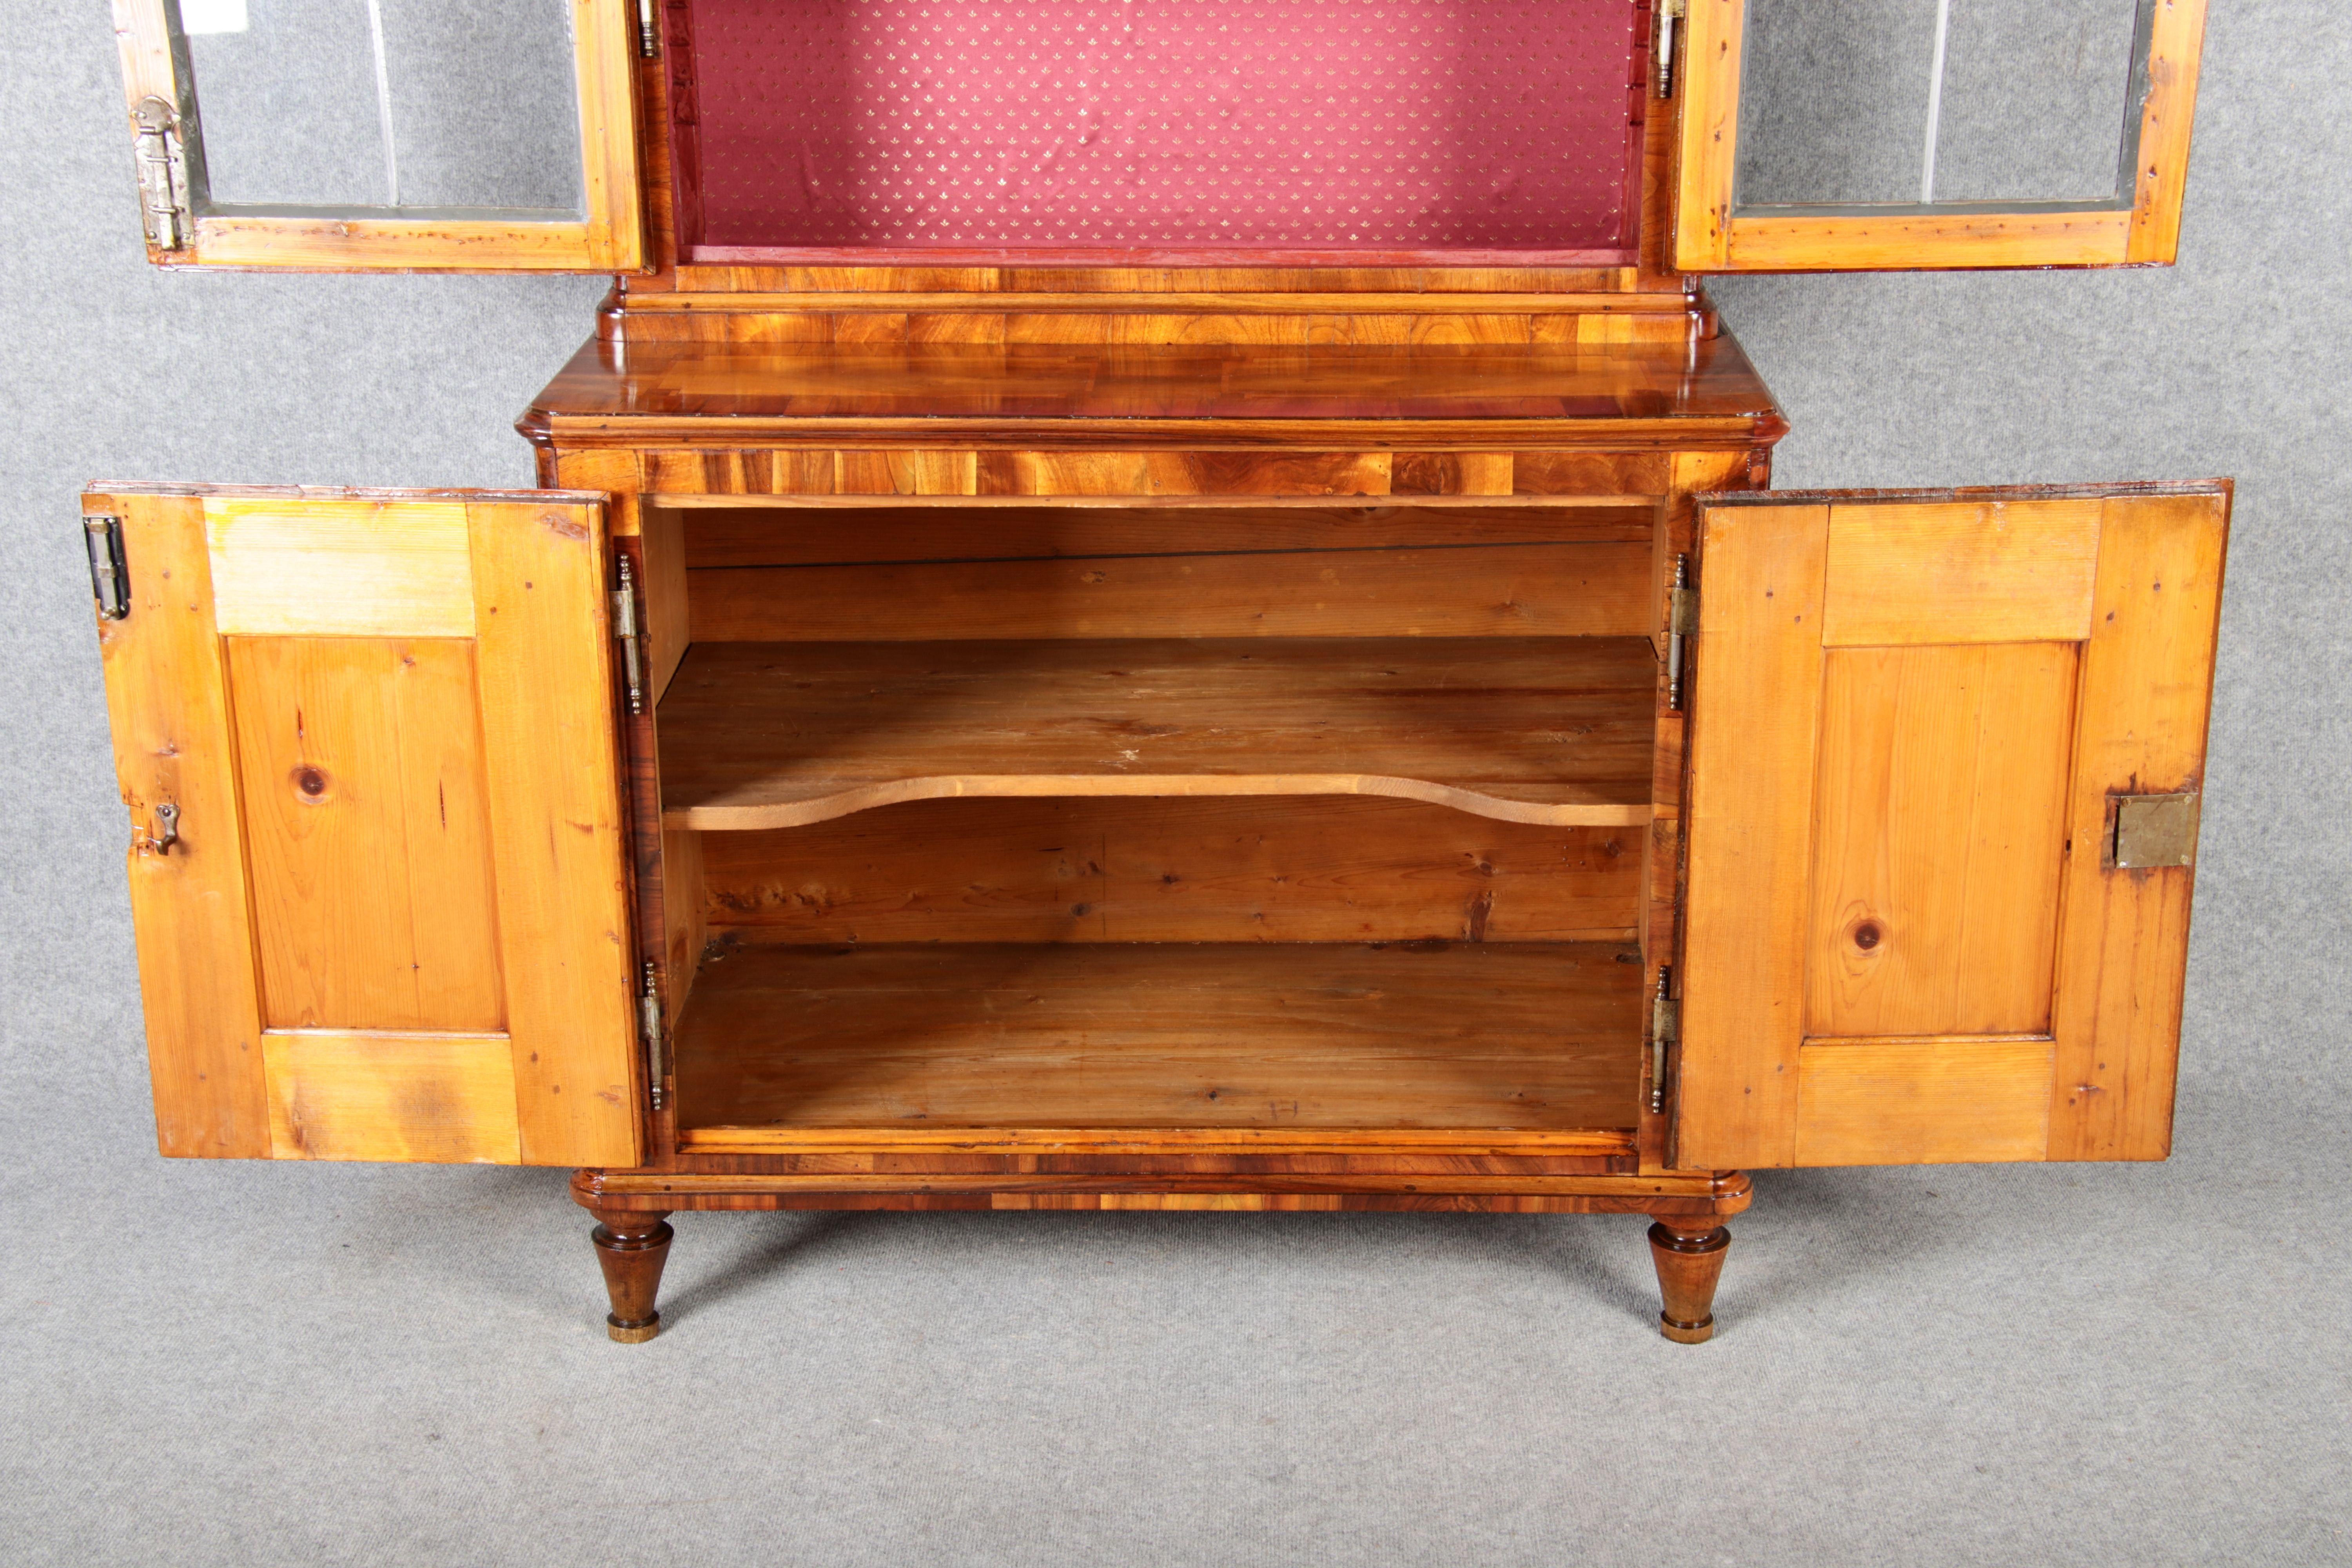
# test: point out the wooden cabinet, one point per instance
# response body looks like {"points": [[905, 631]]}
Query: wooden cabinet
{"points": [[1276, 723]]}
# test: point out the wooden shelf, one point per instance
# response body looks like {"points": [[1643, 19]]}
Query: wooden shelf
{"points": [[778, 1044], [1554, 731]]}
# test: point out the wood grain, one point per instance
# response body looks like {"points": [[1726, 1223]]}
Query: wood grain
{"points": [[665, 614], [1755, 733], [775, 735], [167, 703], [2000, 572], [1325, 869], [1519, 1034], [845, 532], [544, 658], [1940, 840], [2160, 172], [1512, 591], [367, 833], [320, 568], [2123, 953], [1922, 1101], [351, 1095], [1170, 1149]]}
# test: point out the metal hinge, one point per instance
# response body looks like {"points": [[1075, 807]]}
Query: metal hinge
{"points": [[162, 176], [1665, 1031], [110, 576], [625, 626], [1669, 13], [1682, 625], [2153, 830], [649, 1024], [648, 31]]}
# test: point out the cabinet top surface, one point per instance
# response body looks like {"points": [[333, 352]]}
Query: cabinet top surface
{"points": [[1701, 379]]}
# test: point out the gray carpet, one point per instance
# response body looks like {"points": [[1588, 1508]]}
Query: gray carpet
{"points": [[247, 1365]]}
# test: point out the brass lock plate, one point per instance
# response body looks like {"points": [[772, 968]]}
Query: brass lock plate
{"points": [[2149, 830]]}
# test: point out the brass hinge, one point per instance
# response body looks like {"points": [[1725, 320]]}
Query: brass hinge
{"points": [[109, 577], [162, 176], [649, 1024], [1682, 625], [2152, 830], [648, 32], [625, 626], [1665, 1031], [1669, 13]]}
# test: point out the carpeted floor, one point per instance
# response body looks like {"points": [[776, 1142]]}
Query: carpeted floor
{"points": [[1979, 1365]]}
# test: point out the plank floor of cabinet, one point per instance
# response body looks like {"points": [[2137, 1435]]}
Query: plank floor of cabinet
{"points": [[1532, 1036], [1546, 730]]}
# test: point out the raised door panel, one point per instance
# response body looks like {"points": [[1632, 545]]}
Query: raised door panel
{"points": [[384, 917], [1913, 934], [1998, 134]]}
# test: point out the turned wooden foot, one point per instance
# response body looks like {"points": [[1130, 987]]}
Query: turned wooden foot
{"points": [[1688, 1250], [632, 1248]]}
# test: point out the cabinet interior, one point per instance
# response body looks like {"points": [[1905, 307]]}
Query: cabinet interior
{"points": [[1239, 815]]}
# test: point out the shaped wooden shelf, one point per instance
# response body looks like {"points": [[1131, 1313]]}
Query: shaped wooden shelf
{"points": [[1554, 731], [777, 1042]]}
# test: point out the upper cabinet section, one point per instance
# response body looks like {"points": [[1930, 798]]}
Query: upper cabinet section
{"points": [[386, 135], [1921, 134]]}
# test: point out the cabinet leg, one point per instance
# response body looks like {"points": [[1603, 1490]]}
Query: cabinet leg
{"points": [[1688, 1250], [632, 1248]]}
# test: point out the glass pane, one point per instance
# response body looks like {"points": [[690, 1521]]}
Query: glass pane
{"points": [[286, 101], [2034, 100], [484, 110], [386, 103], [1833, 101], [1900, 101]]}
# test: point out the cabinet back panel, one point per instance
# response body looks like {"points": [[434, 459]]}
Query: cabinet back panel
{"points": [[1191, 128], [1338, 869], [929, 573], [367, 832]]}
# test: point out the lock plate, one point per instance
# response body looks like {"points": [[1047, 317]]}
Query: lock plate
{"points": [[2152, 830]]}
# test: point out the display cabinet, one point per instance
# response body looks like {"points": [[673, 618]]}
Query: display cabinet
{"points": [[1162, 607]]}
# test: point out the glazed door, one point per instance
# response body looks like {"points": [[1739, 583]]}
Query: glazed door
{"points": [[377, 875], [1946, 757], [1934, 133], [386, 135]]}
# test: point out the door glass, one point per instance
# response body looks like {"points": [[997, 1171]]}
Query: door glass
{"points": [[1927, 102], [376, 104]]}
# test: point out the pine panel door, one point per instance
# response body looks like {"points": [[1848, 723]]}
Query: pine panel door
{"points": [[367, 741], [1946, 755]]}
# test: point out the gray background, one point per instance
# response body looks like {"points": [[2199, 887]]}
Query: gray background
{"points": [[250, 1363]]}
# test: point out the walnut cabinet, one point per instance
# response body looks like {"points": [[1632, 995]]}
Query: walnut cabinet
{"points": [[1018, 698]]}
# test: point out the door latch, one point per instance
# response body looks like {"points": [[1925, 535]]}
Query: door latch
{"points": [[2152, 830]]}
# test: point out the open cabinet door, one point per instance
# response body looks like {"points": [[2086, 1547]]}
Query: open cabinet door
{"points": [[367, 739], [390, 136], [1945, 754], [1930, 135]]}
